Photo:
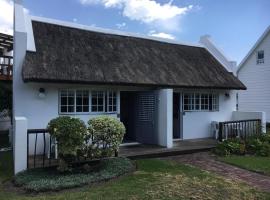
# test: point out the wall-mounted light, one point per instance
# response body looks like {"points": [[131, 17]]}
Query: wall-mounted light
{"points": [[41, 93], [227, 95]]}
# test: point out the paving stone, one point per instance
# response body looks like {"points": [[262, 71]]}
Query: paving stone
{"points": [[208, 162]]}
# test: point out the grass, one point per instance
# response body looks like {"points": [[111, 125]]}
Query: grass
{"points": [[155, 179], [252, 163]]}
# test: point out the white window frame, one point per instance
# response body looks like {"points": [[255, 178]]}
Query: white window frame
{"points": [[91, 104], [259, 60], [82, 90], [105, 96], [75, 102], [114, 101], [90, 94], [60, 104], [193, 107]]}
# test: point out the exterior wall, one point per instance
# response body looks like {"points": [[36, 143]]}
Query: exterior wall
{"points": [[197, 124], [218, 53], [165, 106], [256, 78]]}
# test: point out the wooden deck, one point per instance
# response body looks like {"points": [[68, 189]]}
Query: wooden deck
{"points": [[143, 151], [179, 147]]}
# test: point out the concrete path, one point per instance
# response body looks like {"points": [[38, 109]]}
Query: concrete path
{"points": [[208, 162]]}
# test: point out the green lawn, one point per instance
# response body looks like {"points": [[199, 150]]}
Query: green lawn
{"points": [[154, 179], [253, 163]]}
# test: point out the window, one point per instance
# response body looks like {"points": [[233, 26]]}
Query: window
{"points": [[71, 99], [98, 101], [260, 57], [104, 101], [67, 101], [200, 102], [111, 99], [82, 101], [77, 101]]}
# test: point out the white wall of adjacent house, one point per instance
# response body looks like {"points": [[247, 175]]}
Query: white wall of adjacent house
{"points": [[256, 78]]}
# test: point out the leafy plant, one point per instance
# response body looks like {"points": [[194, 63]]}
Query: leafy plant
{"points": [[69, 133], [104, 136], [255, 145]]}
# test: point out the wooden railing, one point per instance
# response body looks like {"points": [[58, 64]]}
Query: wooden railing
{"points": [[6, 66], [239, 129]]}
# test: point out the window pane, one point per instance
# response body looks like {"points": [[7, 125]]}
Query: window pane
{"points": [[79, 101], [94, 101], [100, 108], [85, 108], [70, 108], [94, 109], [78, 108], [63, 109], [100, 101], [70, 100], [86, 101], [63, 101]]}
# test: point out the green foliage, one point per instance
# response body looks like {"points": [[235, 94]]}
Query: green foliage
{"points": [[69, 133], [6, 97], [50, 180], [104, 136], [254, 145], [230, 146]]}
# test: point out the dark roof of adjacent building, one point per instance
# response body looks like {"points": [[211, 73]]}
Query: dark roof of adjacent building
{"points": [[6, 42], [72, 55]]}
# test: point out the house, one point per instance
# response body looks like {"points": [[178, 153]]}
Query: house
{"points": [[162, 90], [6, 62], [254, 72]]}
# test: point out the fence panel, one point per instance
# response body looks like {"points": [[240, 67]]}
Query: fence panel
{"points": [[239, 129]]}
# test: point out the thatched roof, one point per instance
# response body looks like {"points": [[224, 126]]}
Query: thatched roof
{"points": [[71, 55]]}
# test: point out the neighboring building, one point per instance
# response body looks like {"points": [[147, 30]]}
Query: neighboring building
{"points": [[254, 72], [6, 65]]}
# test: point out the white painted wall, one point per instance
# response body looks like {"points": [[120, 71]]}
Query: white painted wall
{"points": [[241, 115], [197, 124], [256, 78], [207, 42], [165, 114], [20, 144]]}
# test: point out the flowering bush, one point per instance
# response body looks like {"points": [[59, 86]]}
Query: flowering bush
{"points": [[104, 136], [69, 133]]}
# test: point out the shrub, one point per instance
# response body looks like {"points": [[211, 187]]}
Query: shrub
{"points": [[230, 146], [69, 133], [104, 137], [258, 145]]}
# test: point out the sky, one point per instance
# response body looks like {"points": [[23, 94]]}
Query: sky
{"points": [[234, 25]]}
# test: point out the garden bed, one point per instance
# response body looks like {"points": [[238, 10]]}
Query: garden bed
{"points": [[41, 180]]}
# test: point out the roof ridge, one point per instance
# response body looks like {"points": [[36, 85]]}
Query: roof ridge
{"points": [[110, 31]]}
